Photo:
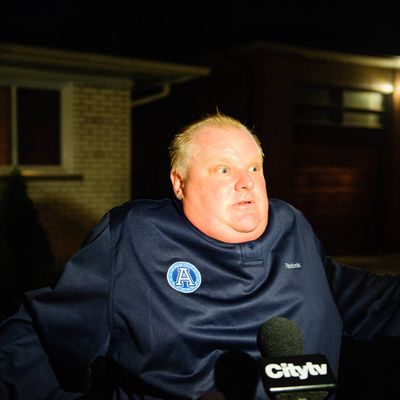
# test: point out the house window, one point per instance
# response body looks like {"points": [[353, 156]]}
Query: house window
{"points": [[340, 107], [29, 126]]}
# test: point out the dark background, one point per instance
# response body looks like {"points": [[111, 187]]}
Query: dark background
{"points": [[191, 31], [195, 33]]}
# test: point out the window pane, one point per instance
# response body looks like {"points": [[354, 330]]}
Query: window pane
{"points": [[364, 120], [5, 126], [365, 100], [38, 127]]}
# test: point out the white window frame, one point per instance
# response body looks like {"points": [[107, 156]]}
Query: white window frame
{"points": [[14, 79]]}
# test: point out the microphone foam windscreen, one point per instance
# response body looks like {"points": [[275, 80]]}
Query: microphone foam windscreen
{"points": [[279, 337]]}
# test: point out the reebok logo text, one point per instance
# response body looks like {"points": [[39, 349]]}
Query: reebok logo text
{"points": [[292, 265]]}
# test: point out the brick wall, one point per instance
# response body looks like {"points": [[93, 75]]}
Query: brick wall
{"points": [[97, 136]]}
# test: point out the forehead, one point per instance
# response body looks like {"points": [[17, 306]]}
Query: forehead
{"points": [[216, 140]]}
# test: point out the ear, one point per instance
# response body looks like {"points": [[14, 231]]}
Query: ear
{"points": [[177, 184]]}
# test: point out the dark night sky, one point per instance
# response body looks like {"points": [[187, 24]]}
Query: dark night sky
{"points": [[168, 31]]}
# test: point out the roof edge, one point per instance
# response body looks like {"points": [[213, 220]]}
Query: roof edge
{"points": [[386, 61], [51, 57]]}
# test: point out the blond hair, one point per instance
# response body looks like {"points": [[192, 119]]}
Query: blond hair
{"points": [[180, 149]]}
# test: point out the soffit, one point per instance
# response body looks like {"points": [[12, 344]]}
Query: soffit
{"points": [[145, 74]]}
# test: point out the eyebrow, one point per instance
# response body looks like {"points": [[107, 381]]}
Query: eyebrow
{"points": [[222, 160]]}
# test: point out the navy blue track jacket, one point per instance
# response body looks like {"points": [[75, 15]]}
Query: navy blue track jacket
{"points": [[162, 302]]}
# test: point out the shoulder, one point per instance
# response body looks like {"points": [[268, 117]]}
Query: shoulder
{"points": [[141, 215], [134, 213], [142, 209], [286, 220], [282, 209], [283, 216]]}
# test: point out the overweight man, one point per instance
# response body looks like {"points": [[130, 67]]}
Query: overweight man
{"points": [[163, 289]]}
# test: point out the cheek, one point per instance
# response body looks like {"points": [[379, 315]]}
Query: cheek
{"points": [[261, 186], [221, 190], [205, 191], [214, 196]]}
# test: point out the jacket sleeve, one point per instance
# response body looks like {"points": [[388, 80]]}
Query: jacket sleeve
{"points": [[368, 303], [59, 332], [25, 372]]}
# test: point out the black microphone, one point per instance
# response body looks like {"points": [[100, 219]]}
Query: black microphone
{"points": [[286, 372]]}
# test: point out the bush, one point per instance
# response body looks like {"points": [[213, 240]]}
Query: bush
{"points": [[26, 262]]}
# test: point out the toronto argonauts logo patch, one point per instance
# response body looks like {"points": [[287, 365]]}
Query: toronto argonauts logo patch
{"points": [[184, 277]]}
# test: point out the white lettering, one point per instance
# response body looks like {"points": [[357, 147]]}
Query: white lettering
{"points": [[320, 369], [276, 371], [184, 277], [286, 371], [303, 371], [292, 265], [292, 370]]}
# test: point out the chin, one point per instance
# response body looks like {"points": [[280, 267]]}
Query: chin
{"points": [[253, 231]]}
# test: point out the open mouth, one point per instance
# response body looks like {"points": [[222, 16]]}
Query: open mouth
{"points": [[244, 203]]}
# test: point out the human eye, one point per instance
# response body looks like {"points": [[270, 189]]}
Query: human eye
{"points": [[254, 168], [223, 170]]}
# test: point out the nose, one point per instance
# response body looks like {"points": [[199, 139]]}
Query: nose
{"points": [[245, 181]]}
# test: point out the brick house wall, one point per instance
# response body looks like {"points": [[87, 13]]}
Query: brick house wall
{"points": [[99, 158], [95, 94]]}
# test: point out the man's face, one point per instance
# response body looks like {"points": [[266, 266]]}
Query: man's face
{"points": [[224, 194]]}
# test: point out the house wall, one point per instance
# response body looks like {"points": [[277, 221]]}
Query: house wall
{"points": [[98, 158], [344, 180], [353, 217]]}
